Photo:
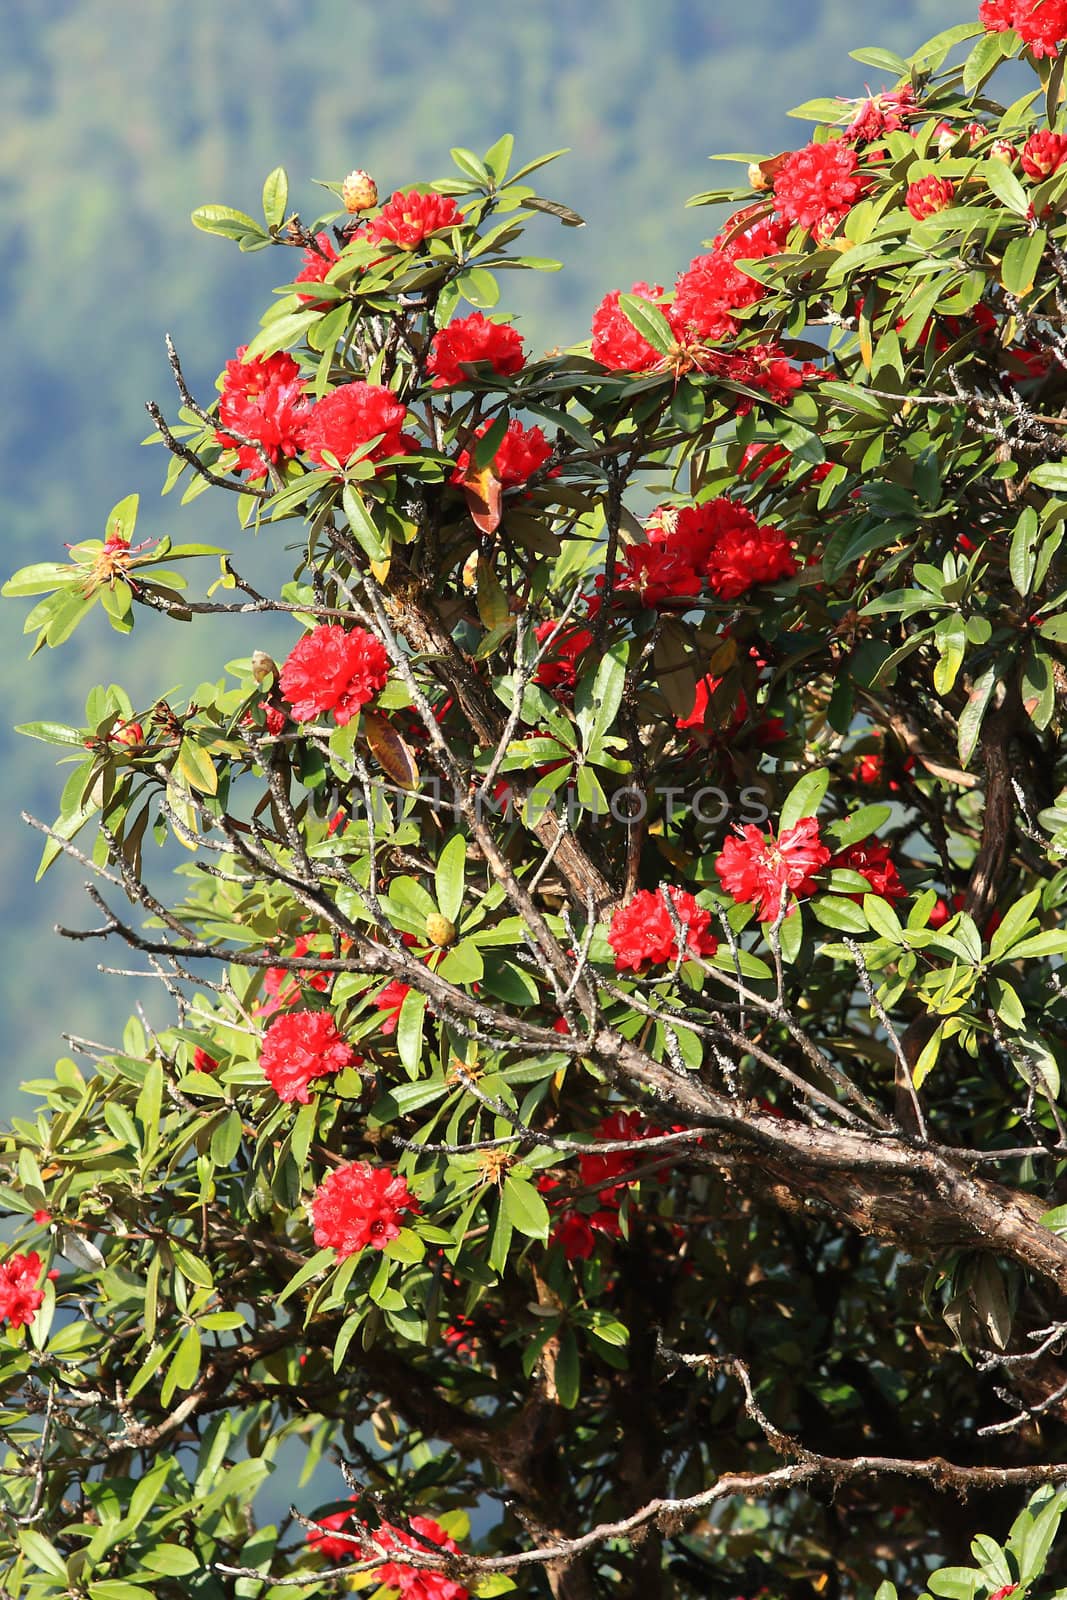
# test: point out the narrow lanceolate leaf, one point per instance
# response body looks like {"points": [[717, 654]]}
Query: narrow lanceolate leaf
{"points": [[363, 525], [649, 321], [973, 714], [280, 334]]}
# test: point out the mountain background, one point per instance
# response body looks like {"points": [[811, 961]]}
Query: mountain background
{"points": [[120, 116]]}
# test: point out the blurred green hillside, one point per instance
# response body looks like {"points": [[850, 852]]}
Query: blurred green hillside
{"points": [[122, 115]]}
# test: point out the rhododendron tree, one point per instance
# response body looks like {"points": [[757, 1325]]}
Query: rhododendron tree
{"points": [[598, 1129]]}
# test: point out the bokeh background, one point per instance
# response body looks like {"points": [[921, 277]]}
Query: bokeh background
{"points": [[120, 116]]}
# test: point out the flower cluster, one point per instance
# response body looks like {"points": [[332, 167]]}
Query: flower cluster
{"points": [[1041, 24], [817, 186], [299, 1047], [927, 196], [360, 1205], [407, 219], [263, 400], [468, 341], [719, 543], [756, 867], [331, 669], [350, 417], [20, 1297], [643, 933], [520, 452]]}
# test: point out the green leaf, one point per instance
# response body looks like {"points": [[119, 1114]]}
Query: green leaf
{"points": [[973, 714], [280, 334], [469, 164], [833, 911], [928, 1058], [409, 1032], [223, 220], [311, 1269], [524, 1208], [479, 287], [362, 524], [1050, 475], [275, 197], [649, 321], [497, 158], [1022, 258], [1007, 188], [449, 877], [883, 60], [173, 1560], [984, 59], [196, 767], [407, 1246], [118, 1589], [1012, 924], [804, 799], [51, 733], [1050, 943], [882, 918], [599, 696], [1022, 556], [858, 825], [42, 1552]]}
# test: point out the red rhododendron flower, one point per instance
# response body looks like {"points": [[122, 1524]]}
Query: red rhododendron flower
{"points": [[882, 113], [871, 859], [202, 1062], [927, 196], [642, 933], [519, 454], [327, 1545], [757, 867], [699, 717], [766, 367], [1041, 24], [42, 1218], [557, 671], [360, 1205], [469, 340], [412, 1582], [744, 557], [657, 572], [762, 458], [1043, 154], [574, 1235], [317, 264], [390, 999], [263, 400], [713, 287], [604, 1171], [408, 219], [332, 669], [299, 1047], [616, 342], [351, 416], [819, 184], [19, 1294]]}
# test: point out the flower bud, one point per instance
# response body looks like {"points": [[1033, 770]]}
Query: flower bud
{"points": [[359, 191], [1003, 150], [263, 666], [128, 734], [756, 176], [439, 930]]}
